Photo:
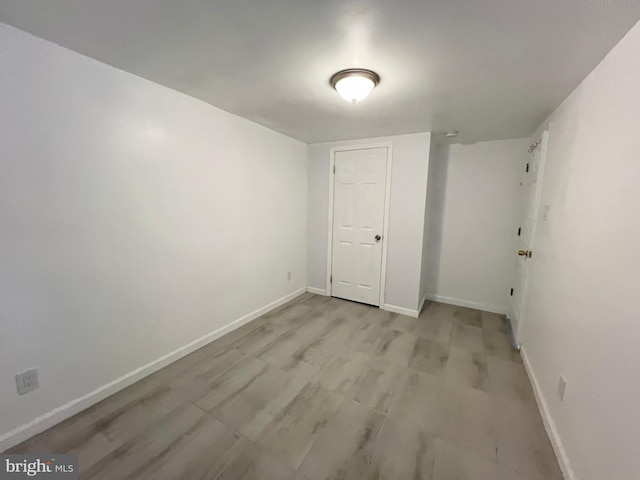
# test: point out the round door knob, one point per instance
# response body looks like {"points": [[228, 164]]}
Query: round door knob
{"points": [[377, 237]]}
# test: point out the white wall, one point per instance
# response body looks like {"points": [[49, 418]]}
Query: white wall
{"points": [[135, 220], [582, 318], [472, 221], [433, 218], [406, 216], [425, 226], [318, 215]]}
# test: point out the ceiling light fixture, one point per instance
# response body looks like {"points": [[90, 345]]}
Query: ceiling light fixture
{"points": [[354, 84], [451, 133]]}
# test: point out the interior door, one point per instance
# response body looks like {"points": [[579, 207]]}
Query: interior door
{"points": [[529, 183], [358, 221]]}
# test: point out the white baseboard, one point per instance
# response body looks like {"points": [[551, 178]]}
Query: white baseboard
{"points": [[466, 303], [317, 291], [549, 424], [77, 405], [401, 310]]}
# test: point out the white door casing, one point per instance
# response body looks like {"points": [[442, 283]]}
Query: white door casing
{"points": [[530, 182], [358, 223]]}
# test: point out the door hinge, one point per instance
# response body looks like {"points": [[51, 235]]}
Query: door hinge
{"points": [[526, 170], [519, 230], [334, 169], [331, 279], [511, 294]]}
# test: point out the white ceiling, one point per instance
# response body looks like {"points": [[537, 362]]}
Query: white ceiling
{"points": [[492, 69]]}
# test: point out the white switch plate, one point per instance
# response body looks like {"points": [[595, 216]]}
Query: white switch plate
{"points": [[562, 385], [545, 212]]}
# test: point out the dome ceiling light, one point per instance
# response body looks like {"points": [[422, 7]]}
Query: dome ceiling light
{"points": [[354, 84]]}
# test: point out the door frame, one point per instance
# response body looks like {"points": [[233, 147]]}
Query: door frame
{"points": [[385, 219], [537, 197]]}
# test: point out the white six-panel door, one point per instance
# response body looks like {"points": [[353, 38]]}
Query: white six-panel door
{"points": [[358, 222]]}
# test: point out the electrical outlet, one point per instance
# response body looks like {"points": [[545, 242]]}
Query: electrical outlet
{"points": [[562, 385], [289, 276], [27, 381]]}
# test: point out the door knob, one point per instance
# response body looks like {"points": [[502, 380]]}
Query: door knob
{"points": [[525, 253], [377, 237]]}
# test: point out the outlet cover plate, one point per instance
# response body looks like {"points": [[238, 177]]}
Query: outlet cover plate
{"points": [[27, 381]]}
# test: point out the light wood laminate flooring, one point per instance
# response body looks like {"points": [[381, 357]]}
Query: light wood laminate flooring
{"points": [[323, 388]]}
